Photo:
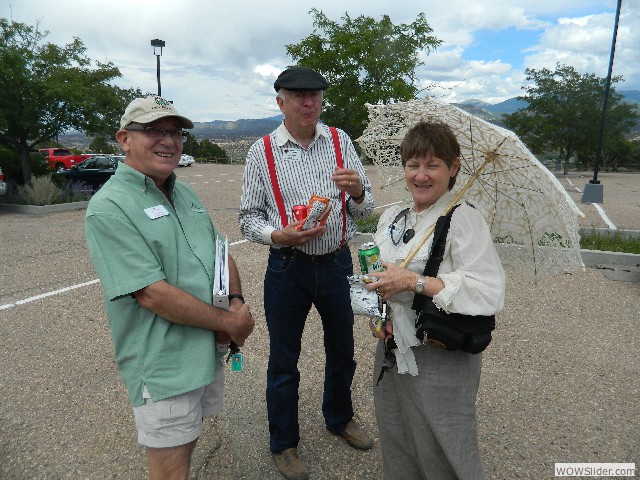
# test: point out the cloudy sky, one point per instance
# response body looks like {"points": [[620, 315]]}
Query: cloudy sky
{"points": [[221, 58]]}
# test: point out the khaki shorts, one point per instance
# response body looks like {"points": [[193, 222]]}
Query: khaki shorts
{"points": [[177, 420]]}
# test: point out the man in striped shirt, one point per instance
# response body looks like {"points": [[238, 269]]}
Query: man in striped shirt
{"points": [[301, 158]]}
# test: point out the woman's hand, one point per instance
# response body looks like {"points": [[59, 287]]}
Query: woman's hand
{"points": [[395, 279], [385, 332], [392, 280]]}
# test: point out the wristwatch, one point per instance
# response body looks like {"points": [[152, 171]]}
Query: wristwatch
{"points": [[359, 197], [236, 295], [419, 288]]}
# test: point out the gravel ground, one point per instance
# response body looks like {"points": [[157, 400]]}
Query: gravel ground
{"points": [[560, 382]]}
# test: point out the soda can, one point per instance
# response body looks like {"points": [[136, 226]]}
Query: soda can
{"points": [[299, 212], [369, 256]]}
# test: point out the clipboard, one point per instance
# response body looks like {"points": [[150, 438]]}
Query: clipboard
{"points": [[221, 299], [221, 274]]}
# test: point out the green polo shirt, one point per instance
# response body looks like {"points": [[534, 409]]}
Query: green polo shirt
{"points": [[131, 250]]}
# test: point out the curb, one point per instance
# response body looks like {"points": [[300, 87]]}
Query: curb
{"points": [[615, 265], [43, 209]]}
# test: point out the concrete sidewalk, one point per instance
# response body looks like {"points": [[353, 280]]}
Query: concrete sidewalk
{"points": [[560, 383]]}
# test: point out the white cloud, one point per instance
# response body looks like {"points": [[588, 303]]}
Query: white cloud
{"points": [[221, 58], [585, 44]]}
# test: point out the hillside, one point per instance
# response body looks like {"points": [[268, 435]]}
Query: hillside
{"points": [[493, 112], [237, 128], [222, 131]]}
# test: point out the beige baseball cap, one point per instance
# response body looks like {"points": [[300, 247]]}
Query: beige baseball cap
{"points": [[149, 109]]}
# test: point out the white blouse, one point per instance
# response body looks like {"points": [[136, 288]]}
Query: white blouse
{"points": [[474, 282]]}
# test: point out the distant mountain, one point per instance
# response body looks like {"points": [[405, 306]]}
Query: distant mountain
{"points": [[508, 106], [221, 129], [630, 96], [255, 128], [493, 112], [480, 109]]}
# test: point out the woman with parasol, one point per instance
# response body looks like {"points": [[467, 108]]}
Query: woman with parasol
{"points": [[425, 408]]}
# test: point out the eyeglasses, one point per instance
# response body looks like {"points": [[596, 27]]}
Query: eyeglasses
{"points": [[398, 233], [155, 132]]}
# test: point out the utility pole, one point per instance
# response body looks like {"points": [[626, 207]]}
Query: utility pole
{"points": [[593, 191]]}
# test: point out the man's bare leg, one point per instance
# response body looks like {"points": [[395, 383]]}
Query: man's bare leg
{"points": [[170, 463]]}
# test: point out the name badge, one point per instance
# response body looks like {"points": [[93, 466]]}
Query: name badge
{"points": [[156, 212], [292, 154]]}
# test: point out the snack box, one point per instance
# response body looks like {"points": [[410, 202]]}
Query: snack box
{"points": [[317, 212]]}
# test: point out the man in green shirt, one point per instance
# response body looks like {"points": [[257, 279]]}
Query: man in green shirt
{"points": [[153, 246]]}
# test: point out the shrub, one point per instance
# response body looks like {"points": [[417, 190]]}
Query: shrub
{"points": [[369, 224], [610, 242], [40, 191], [76, 192]]}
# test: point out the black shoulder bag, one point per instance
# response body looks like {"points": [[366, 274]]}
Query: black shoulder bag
{"points": [[451, 331]]}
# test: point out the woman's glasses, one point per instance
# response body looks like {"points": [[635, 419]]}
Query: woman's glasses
{"points": [[398, 233]]}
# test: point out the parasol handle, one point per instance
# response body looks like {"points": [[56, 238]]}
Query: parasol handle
{"points": [[488, 158]]}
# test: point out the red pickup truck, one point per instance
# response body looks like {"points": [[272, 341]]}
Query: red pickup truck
{"points": [[61, 159]]}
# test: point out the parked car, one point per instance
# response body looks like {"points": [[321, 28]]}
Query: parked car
{"points": [[3, 184], [62, 159], [186, 160], [94, 171]]}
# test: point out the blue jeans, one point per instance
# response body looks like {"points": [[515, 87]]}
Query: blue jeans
{"points": [[291, 287]]}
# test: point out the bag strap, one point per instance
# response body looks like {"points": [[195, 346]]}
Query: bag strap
{"points": [[437, 254], [273, 176]]}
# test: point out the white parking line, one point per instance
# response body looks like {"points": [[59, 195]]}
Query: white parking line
{"points": [[604, 216], [570, 183], [387, 205], [48, 294], [72, 287]]}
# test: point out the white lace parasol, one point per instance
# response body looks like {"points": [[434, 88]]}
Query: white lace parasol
{"points": [[533, 221]]}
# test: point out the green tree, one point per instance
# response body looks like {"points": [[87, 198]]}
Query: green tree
{"points": [[212, 151], [47, 90], [190, 147], [100, 144], [564, 110], [364, 61]]}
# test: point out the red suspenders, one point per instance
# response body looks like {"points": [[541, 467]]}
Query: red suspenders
{"points": [[274, 180], [268, 150]]}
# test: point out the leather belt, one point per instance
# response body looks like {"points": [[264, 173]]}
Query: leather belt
{"points": [[300, 255]]}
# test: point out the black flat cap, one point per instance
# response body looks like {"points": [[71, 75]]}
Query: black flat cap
{"points": [[300, 78]]}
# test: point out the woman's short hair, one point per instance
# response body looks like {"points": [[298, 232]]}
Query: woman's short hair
{"points": [[431, 138]]}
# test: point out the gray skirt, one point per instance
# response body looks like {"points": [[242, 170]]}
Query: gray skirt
{"points": [[427, 423]]}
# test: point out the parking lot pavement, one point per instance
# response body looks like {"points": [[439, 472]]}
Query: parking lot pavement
{"points": [[560, 381]]}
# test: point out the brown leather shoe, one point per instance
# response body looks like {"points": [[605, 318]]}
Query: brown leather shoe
{"points": [[355, 436], [289, 465]]}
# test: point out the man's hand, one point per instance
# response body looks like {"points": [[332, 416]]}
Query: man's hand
{"points": [[234, 306], [291, 237], [176, 305], [240, 325], [348, 180]]}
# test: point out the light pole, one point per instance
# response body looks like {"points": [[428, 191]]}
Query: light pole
{"points": [[156, 42], [593, 191]]}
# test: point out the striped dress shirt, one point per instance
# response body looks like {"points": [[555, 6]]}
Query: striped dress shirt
{"points": [[301, 173]]}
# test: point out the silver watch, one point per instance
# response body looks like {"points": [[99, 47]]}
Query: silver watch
{"points": [[419, 288]]}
